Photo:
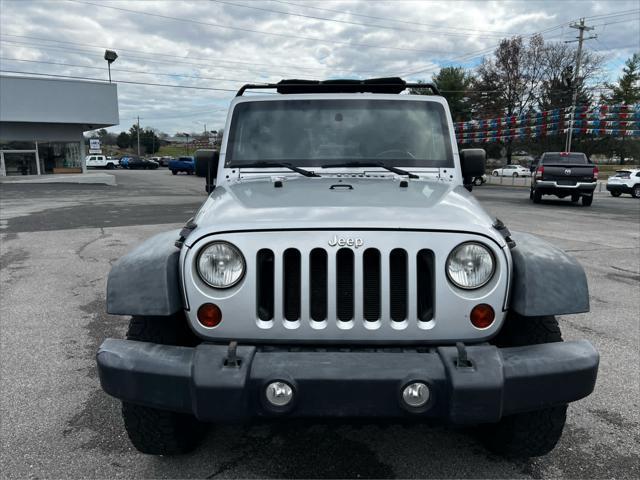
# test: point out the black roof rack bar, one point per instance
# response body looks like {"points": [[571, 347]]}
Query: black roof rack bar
{"points": [[374, 85]]}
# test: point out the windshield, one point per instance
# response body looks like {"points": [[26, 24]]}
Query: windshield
{"points": [[321, 132], [565, 158]]}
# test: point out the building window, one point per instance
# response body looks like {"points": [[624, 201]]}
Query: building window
{"points": [[18, 158], [59, 155], [13, 145], [19, 163]]}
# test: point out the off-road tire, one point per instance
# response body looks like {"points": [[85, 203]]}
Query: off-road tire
{"points": [[529, 434], [160, 432], [615, 194], [110, 166], [519, 331], [151, 430], [537, 196], [635, 193], [525, 435], [587, 200]]}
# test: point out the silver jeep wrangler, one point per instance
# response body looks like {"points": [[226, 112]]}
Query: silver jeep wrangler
{"points": [[341, 268]]}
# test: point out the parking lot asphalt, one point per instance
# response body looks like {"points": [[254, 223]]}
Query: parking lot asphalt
{"points": [[59, 241]]}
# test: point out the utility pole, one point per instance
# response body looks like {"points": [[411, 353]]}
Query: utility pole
{"points": [[576, 75], [138, 132]]}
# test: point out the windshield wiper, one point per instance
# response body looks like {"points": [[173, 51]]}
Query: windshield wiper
{"points": [[299, 170], [395, 170]]}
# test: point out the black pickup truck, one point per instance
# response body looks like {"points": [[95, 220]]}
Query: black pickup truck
{"points": [[564, 174]]}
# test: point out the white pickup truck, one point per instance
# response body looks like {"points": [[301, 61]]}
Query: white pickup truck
{"points": [[101, 161]]}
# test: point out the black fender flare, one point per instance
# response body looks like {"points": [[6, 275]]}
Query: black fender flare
{"points": [[546, 280], [146, 281]]}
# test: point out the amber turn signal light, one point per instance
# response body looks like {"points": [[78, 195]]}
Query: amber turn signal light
{"points": [[482, 316], [209, 315]]}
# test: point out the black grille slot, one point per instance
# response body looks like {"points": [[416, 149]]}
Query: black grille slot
{"points": [[371, 284], [344, 284], [264, 287], [291, 284], [426, 284], [398, 284], [318, 284]]}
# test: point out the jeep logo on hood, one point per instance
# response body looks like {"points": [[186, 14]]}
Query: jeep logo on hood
{"points": [[346, 242]]}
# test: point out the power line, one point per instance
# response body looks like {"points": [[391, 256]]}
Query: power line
{"points": [[135, 57], [162, 54], [138, 59], [325, 19], [186, 115], [467, 57], [125, 70], [386, 19], [614, 14], [130, 82], [261, 32], [616, 23]]}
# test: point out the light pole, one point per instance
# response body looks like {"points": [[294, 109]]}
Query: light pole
{"points": [[138, 132], [110, 56]]}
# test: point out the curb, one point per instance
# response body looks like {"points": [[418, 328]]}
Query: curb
{"points": [[81, 178]]}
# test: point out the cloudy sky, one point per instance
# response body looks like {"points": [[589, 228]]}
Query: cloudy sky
{"points": [[216, 46]]}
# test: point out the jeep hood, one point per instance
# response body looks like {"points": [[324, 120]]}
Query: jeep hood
{"points": [[341, 203]]}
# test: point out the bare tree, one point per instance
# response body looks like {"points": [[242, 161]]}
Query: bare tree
{"points": [[521, 78], [510, 82], [559, 61]]}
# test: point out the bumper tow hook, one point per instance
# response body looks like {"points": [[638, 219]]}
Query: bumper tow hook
{"points": [[462, 361], [232, 359]]}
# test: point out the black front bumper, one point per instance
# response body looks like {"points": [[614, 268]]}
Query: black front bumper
{"points": [[500, 381]]}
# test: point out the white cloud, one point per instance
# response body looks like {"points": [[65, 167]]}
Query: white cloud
{"points": [[424, 36]]}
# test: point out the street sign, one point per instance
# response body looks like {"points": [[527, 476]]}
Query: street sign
{"points": [[94, 146]]}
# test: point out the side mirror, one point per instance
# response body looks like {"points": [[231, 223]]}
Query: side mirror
{"points": [[472, 162], [206, 165]]}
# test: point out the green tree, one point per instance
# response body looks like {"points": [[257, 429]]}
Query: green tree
{"points": [[123, 140], [149, 140], [627, 89], [559, 61], [454, 83]]}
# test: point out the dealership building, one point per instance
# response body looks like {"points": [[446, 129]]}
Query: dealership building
{"points": [[42, 122]]}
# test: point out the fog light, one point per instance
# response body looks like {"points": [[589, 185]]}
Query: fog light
{"points": [[416, 394], [209, 315], [279, 394], [482, 316]]}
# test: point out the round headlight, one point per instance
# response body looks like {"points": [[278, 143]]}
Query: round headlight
{"points": [[220, 265], [470, 265]]}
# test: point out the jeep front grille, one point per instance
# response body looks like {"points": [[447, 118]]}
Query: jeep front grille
{"points": [[374, 272]]}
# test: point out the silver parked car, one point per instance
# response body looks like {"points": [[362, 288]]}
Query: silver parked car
{"points": [[341, 267]]}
